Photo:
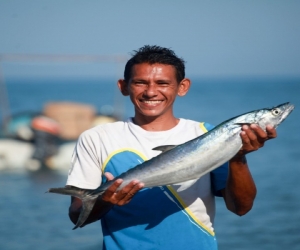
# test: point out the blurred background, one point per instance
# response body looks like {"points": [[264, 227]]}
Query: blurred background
{"points": [[59, 64]]}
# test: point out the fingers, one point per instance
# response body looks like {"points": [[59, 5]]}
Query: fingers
{"points": [[109, 176], [126, 194], [122, 196], [111, 190], [254, 137], [271, 131], [262, 135]]}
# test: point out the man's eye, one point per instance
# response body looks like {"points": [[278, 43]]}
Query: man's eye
{"points": [[162, 83]]}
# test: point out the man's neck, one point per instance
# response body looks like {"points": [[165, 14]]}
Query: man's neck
{"points": [[156, 123]]}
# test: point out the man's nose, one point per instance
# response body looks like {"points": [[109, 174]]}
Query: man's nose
{"points": [[150, 89]]}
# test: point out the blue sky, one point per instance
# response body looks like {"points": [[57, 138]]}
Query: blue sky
{"points": [[216, 38]]}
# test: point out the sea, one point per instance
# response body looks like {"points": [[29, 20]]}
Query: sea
{"points": [[31, 219]]}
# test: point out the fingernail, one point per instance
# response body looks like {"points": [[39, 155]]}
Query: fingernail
{"points": [[134, 182], [245, 127]]}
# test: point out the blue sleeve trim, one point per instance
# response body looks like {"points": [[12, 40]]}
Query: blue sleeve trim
{"points": [[219, 179], [219, 175], [208, 126]]}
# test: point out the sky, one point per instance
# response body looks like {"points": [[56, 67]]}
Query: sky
{"points": [[215, 38]]}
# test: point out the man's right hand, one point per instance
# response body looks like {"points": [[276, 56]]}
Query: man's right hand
{"points": [[122, 196]]}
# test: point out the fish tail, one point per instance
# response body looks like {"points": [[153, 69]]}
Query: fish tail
{"points": [[87, 206], [73, 191], [88, 200]]}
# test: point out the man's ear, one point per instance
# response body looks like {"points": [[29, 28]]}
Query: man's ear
{"points": [[184, 87], [123, 87]]}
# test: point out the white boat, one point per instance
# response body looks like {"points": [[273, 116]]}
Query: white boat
{"points": [[48, 140]]}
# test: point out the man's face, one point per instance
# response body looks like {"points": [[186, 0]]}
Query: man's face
{"points": [[152, 89]]}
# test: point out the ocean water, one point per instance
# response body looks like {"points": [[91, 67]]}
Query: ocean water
{"points": [[33, 219]]}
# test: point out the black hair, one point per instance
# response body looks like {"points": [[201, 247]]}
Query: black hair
{"points": [[155, 54]]}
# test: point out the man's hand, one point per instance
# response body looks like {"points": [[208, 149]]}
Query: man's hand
{"points": [[122, 196], [254, 137]]}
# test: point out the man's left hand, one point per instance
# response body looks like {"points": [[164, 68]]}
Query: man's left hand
{"points": [[254, 137]]}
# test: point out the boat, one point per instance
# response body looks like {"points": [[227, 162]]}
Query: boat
{"points": [[45, 140]]}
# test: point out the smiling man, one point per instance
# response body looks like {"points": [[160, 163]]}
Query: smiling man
{"points": [[178, 216]]}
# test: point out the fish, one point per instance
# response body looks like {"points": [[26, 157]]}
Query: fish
{"points": [[185, 162]]}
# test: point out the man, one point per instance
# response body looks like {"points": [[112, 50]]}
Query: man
{"points": [[171, 217]]}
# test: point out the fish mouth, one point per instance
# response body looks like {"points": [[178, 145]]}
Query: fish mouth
{"points": [[287, 109]]}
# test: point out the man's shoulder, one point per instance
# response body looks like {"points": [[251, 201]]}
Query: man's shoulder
{"points": [[113, 127]]}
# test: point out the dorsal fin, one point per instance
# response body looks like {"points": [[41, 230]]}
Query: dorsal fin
{"points": [[164, 148]]}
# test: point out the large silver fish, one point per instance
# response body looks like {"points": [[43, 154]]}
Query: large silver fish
{"points": [[187, 161]]}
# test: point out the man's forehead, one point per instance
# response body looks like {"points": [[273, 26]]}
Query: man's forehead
{"points": [[156, 68]]}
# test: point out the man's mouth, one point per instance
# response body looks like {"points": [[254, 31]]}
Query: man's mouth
{"points": [[153, 102]]}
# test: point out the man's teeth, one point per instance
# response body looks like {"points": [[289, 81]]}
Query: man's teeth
{"points": [[151, 102]]}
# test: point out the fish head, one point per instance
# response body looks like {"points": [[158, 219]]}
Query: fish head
{"points": [[274, 116]]}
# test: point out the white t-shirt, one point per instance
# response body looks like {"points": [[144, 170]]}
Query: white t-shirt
{"points": [[117, 147]]}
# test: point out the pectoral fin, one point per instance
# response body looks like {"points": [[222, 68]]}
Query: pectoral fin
{"points": [[186, 184]]}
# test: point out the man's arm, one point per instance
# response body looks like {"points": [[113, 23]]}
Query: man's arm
{"points": [[240, 190], [104, 203]]}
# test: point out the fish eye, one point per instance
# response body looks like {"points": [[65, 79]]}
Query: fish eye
{"points": [[275, 112]]}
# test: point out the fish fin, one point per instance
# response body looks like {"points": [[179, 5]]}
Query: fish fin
{"points": [[86, 196], [87, 206], [186, 184], [164, 148]]}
